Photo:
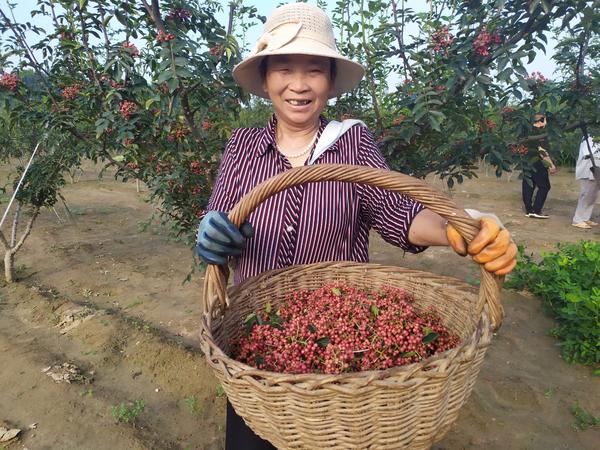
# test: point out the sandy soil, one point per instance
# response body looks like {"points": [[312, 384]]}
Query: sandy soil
{"points": [[107, 295]]}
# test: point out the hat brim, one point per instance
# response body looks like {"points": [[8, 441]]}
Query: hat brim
{"points": [[349, 73]]}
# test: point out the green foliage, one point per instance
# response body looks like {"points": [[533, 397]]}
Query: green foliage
{"points": [[583, 418], [128, 413], [568, 281], [150, 93], [147, 89], [191, 402], [464, 92]]}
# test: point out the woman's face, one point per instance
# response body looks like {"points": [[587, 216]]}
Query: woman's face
{"points": [[539, 121], [298, 86]]}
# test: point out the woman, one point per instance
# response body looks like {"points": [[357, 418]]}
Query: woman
{"points": [[587, 172], [296, 66], [538, 178]]}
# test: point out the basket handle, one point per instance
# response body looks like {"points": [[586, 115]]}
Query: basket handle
{"points": [[216, 277]]}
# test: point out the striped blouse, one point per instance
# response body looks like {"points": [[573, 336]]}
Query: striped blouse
{"points": [[315, 222]]}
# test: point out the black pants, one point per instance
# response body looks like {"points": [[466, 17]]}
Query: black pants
{"points": [[239, 436], [541, 181]]}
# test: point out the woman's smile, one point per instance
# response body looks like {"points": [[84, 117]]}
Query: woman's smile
{"points": [[298, 102]]}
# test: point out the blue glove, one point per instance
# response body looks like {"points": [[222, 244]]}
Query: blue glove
{"points": [[218, 238]]}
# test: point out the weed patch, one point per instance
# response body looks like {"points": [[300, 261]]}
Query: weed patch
{"points": [[128, 413], [568, 281], [583, 418], [191, 402]]}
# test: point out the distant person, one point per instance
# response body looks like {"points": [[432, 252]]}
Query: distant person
{"points": [[538, 179], [589, 182]]}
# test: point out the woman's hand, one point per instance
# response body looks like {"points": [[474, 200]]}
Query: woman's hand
{"points": [[218, 238], [491, 247]]}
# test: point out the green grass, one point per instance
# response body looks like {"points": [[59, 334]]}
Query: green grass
{"points": [[134, 303], [128, 413], [191, 402], [77, 211], [583, 418], [549, 392]]}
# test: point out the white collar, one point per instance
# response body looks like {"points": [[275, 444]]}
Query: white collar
{"points": [[331, 134]]}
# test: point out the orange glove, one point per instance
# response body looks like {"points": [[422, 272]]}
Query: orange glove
{"points": [[491, 247]]}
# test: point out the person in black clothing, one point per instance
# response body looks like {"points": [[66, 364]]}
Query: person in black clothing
{"points": [[538, 178]]}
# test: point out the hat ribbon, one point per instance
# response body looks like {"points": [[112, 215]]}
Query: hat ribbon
{"points": [[282, 35]]}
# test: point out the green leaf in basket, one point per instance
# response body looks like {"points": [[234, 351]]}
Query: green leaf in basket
{"points": [[268, 308], [409, 354], [426, 331], [322, 342], [430, 337], [336, 291], [374, 309], [249, 322], [259, 360], [275, 321], [312, 328]]}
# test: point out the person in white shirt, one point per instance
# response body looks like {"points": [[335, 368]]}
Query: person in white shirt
{"points": [[589, 180]]}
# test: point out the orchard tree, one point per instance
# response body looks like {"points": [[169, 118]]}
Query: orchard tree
{"points": [[143, 86], [40, 188], [464, 92]]}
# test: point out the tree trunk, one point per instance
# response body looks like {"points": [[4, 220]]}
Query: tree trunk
{"points": [[9, 266], [11, 251]]}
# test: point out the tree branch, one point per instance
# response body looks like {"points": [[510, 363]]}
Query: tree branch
{"points": [[15, 224], [567, 128], [4, 241], [232, 6], [104, 32], [369, 73], [187, 110], [28, 53], [88, 51], [400, 37], [580, 66], [528, 28], [21, 39], [31, 57], [154, 13], [36, 211]]}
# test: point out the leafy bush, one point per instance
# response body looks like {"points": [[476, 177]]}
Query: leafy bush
{"points": [[128, 413], [568, 281]]}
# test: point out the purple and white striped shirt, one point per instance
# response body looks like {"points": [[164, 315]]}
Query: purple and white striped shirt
{"points": [[315, 222]]}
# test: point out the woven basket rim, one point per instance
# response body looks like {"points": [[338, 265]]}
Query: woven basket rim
{"points": [[242, 370], [274, 272]]}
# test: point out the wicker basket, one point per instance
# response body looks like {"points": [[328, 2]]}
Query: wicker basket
{"points": [[410, 406]]}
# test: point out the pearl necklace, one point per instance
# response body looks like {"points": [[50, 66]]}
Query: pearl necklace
{"points": [[303, 152]]}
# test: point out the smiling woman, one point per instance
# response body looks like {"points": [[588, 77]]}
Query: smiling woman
{"points": [[296, 65]]}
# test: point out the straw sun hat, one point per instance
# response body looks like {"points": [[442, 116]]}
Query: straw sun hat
{"points": [[300, 29]]}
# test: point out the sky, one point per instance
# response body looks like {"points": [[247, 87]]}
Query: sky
{"points": [[542, 63]]}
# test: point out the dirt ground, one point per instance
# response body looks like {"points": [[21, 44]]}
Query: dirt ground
{"points": [[106, 294]]}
